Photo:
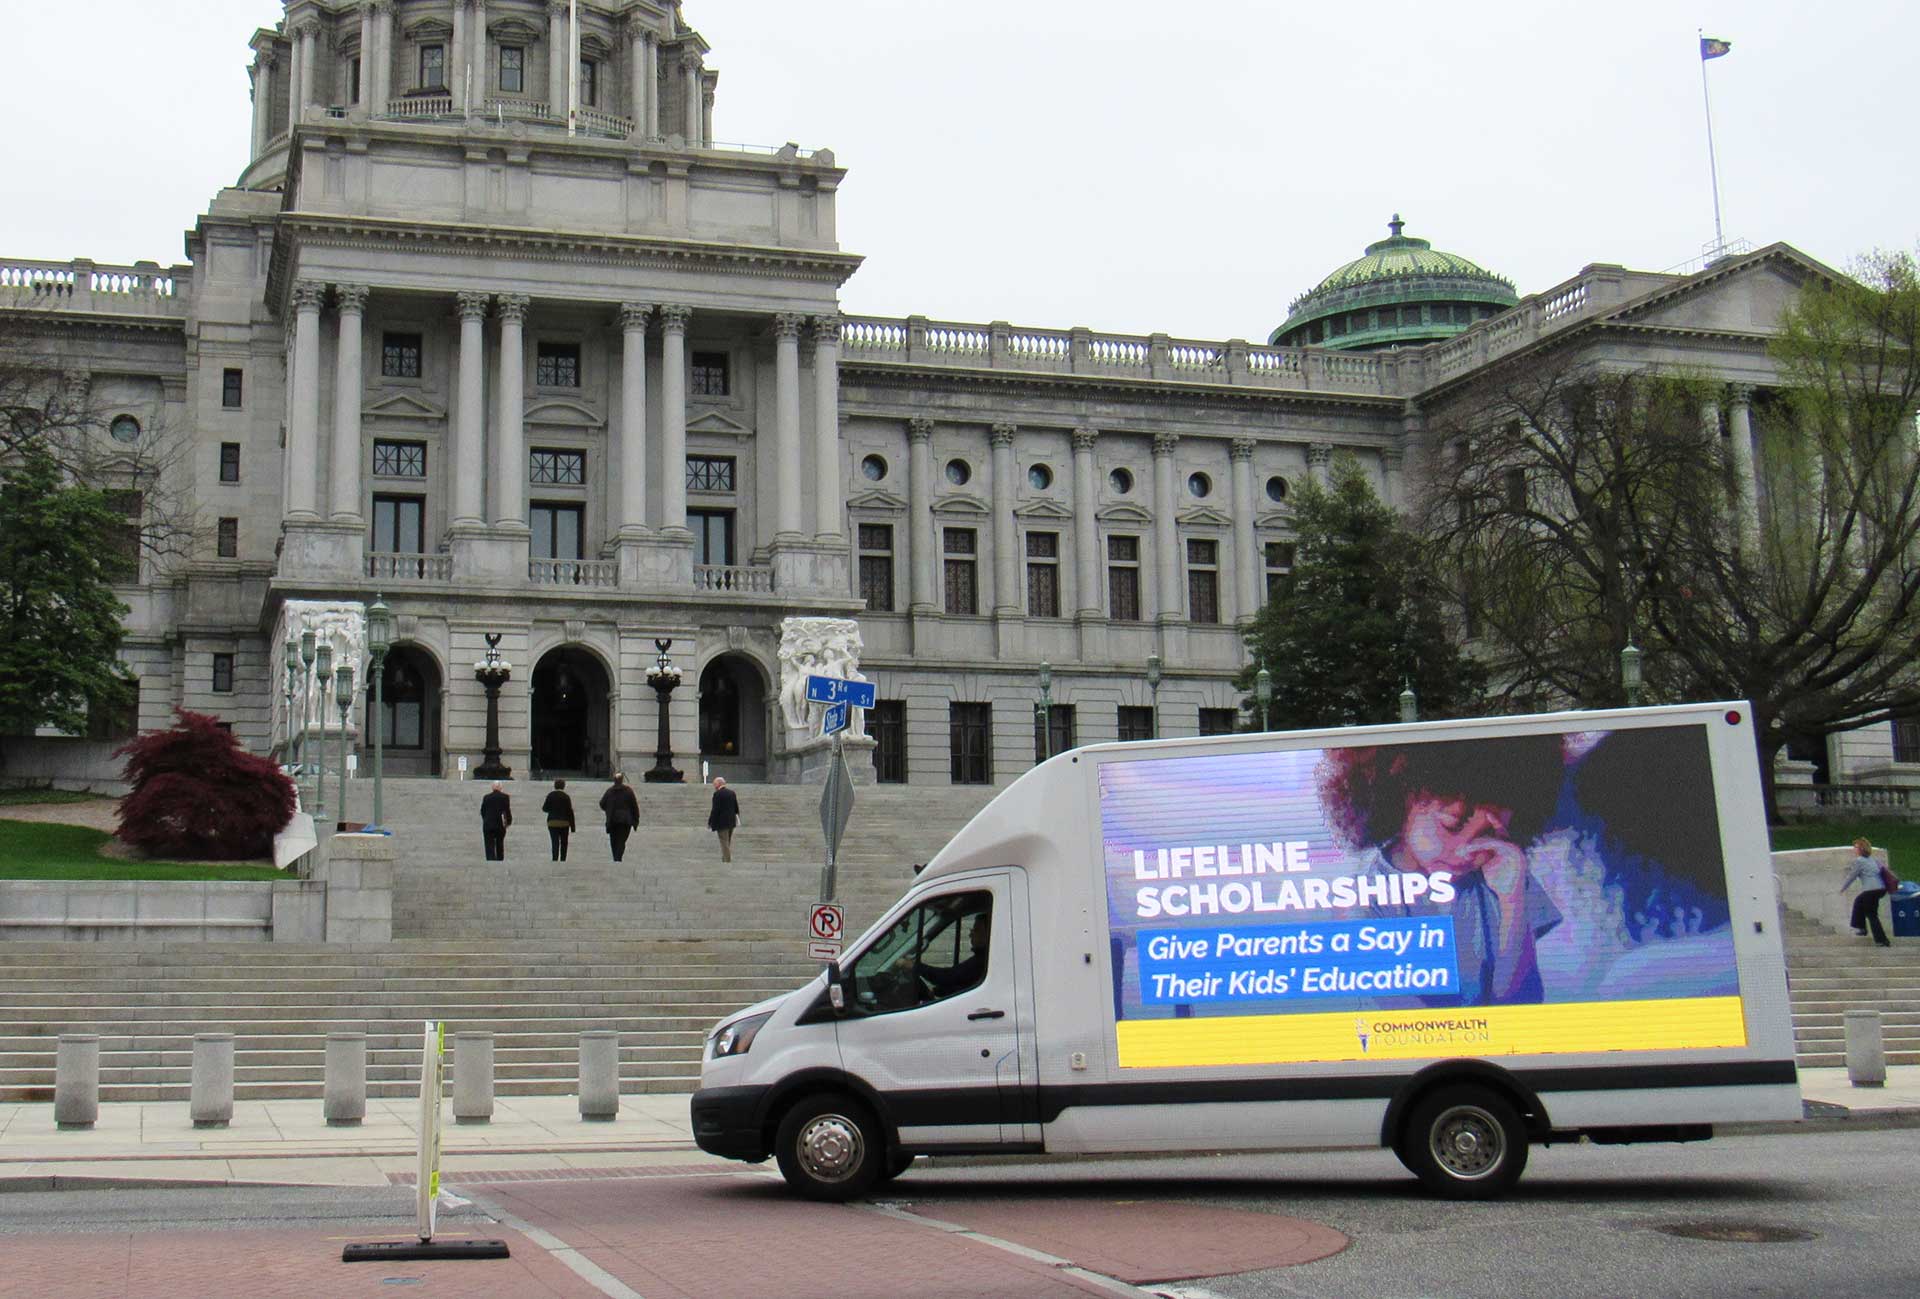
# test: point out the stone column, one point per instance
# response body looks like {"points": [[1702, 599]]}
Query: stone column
{"points": [[920, 539], [652, 74], [258, 75], [510, 441], [708, 80], [1166, 535], [303, 411], [639, 73], [1086, 526], [296, 75], [457, 71], [786, 423], [383, 54], [1393, 472], [557, 58], [827, 522], [478, 71], [1246, 556], [1319, 457], [690, 92], [1006, 566], [673, 416], [468, 460], [630, 511], [1740, 434], [346, 403]]}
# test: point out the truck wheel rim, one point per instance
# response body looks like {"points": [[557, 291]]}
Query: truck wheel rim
{"points": [[831, 1147], [1467, 1142]]}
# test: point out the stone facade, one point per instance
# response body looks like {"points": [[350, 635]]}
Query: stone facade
{"points": [[581, 379]]}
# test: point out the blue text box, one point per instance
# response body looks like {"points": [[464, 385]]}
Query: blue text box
{"points": [[1356, 959]]}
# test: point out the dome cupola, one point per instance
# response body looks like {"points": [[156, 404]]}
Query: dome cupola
{"points": [[1400, 292]]}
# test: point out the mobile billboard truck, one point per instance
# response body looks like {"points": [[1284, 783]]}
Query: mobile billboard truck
{"points": [[1452, 939]]}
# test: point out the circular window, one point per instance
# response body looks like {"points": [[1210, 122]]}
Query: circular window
{"points": [[1040, 478], [874, 467], [959, 472], [1199, 484], [1121, 481], [125, 428], [1276, 488]]}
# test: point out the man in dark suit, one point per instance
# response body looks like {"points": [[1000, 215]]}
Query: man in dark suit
{"points": [[724, 816], [496, 814]]}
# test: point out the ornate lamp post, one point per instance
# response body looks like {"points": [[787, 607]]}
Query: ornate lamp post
{"points": [[293, 680], [307, 641], [1153, 688], [1044, 710], [343, 696], [379, 641], [664, 677], [1263, 691], [492, 672], [1409, 705], [1630, 673], [323, 673]]}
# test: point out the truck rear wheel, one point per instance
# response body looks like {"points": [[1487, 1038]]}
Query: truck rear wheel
{"points": [[829, 1148], [1464, 1143]]}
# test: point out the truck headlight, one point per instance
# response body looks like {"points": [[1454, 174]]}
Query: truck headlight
{"points": [[737, 1038]]}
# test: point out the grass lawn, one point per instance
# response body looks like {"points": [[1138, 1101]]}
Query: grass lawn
{"points": [[33, 850], [1901, 840], [16, 797]]}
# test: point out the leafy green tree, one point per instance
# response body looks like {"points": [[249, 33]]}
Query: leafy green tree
{"points": [[1359, 621], [59, 620]]}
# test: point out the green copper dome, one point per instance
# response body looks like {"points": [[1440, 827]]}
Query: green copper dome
{"points": [[1401, 292]]}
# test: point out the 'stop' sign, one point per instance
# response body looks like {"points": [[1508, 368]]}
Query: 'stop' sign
{"points": [[839, 690]]}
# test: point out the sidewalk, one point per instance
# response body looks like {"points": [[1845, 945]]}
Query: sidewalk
{"points": [[288, 1143]]}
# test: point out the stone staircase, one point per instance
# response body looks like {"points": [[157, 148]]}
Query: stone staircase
{"points": [[657, 947], [1831, 973]]}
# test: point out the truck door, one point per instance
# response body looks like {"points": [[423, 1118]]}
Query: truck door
{"points": [[936, 1016]]}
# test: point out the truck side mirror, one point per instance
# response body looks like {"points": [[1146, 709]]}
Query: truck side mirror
{"points": [[836, 992]]}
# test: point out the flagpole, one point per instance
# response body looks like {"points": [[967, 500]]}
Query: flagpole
{"points": [[1713, 165]]}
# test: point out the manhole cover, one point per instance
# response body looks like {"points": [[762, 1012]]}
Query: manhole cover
{"points": [[1738, 1233]]}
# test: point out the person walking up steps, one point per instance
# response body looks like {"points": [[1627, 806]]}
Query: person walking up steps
{"points": [[724, 816], [623, 813], [559, 810], [1876, 881], [496, 814]]}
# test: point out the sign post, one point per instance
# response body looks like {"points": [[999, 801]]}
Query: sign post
{"points": [[836, 800]]}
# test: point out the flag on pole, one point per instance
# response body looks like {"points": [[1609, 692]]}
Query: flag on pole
{"points": [[1711, 48]]}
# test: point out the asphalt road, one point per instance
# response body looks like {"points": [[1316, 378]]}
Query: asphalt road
{"points": [[1585, 1223]]}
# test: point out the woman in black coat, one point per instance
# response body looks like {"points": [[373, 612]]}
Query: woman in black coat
{"points": [[559, 810], [623, 813]]}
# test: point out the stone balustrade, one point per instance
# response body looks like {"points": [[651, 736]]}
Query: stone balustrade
{"points": [[410, 567], [745, 579], [574, 572], [420, 108], [144, 288]]}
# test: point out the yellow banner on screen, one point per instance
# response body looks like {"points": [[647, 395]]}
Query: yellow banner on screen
{"points": [[1690, 1023]]}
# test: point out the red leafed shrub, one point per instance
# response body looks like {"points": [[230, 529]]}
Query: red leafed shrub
{"points": [[197, 794]]}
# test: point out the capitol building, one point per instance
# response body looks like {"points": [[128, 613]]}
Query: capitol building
{"points": [[580, 380]]}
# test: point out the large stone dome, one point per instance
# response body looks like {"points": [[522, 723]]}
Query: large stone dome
{"points": [[1401, 291]]}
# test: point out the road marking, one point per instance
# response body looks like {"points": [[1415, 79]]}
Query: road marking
{"points": [[588, 1270], [1113, 1285]]}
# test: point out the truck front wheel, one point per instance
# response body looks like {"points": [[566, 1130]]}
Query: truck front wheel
{"points": [[1464, 1143], [829, 1148]]}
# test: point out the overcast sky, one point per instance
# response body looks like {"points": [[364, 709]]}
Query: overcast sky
{"points": [[1186, 166]]}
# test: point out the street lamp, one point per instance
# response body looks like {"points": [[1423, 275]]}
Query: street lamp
{"points": [[343, 697], [1046, 710], [293, 679], [306, 695], [1263, 691], [379, 641], [492, 672], [1409, 705], [1630, 673], [1153, 686], [323, 673], [663, 676]]}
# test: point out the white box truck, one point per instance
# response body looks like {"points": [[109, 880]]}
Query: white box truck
{"points": [[1452, 939]]}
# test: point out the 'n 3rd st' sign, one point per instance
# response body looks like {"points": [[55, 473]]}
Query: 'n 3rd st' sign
{"points": [[839, 690]]}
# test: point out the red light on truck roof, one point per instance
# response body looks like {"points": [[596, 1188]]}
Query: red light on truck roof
{"points": [[1733, 717]]}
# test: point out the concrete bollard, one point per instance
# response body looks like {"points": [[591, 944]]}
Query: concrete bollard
{"points": [[1866, 1049], [211, 1102], [76, 1080], [599, 1075], [345, 1101], [472, 1077]]}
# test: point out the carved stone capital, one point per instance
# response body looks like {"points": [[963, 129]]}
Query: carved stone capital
{"points": [[674, 318], [309, 295], [826, 330], [1242, 449], [634, 316], [1165, 444], [1084, 440], [919, 429], [351, 298], [1003, 435], [306, 29], [690, 60], [473, 306], [787, 324], [513, 307], [1739, 394], [1320, 454], [556, 11]]}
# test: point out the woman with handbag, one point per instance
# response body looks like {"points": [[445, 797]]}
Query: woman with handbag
{"points": [[1878, 882]]}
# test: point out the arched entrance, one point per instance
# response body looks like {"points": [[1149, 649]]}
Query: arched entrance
{"points": [[572, 713], [733, 718], [410, 700]]}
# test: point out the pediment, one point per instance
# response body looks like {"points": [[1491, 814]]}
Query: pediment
{"points": [[715, 422], [404, 405], [515, 31], [594, 47], [1281, 520], [1740, 295], [1207, 516], [1123, 514], [961, 505], [563, 410], [428, 30], [1042, 509], [877, 500]]}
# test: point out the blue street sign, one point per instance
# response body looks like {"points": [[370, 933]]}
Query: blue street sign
{"points": [[835, 719], [839, 690]]}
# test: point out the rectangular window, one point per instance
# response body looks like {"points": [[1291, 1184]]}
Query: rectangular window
{"points": [[887, 724], [1123, 579], [353, 80], [1059, 737], [550, 468], [1279, 557], [433, 67], [1219, 721], [712, 536], [1043, 575], [229, 462], [223, 674], [1203, 580], [1136, 722], [400, 459], [513, 69], [227, 539], [232, 388], [121, 563], [970, 743], [398, 525], [589, 84], [1906, 740], [557, 365], [400, 356], [876, 566], [710, 377], [710, 473], [556, 530], [962, 585]]}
